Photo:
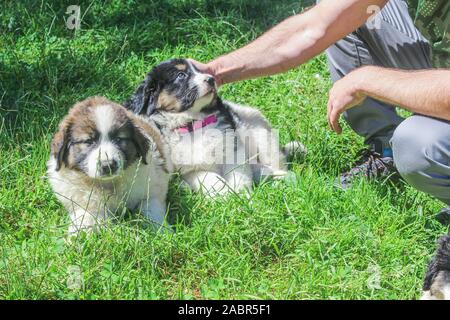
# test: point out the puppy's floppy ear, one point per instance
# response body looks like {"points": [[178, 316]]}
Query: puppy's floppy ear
{"points": [[141, 142], [144, 100], [60, 141]]}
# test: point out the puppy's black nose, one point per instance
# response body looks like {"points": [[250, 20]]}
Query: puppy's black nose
{"points": [[210, 81], [109, 168]]}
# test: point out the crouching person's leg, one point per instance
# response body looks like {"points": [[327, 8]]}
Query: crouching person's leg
{"points": [[421, 147]]}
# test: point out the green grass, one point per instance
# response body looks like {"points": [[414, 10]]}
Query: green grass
{"points": [[299, 239]]}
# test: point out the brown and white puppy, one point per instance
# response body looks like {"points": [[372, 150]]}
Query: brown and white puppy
{"points": [[217, 145], [105, 159]]}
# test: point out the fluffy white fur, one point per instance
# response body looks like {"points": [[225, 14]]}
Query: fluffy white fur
{"points": [[198, 155]]}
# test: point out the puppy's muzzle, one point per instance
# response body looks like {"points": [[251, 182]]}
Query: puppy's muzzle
{"points": [[108, 168]]}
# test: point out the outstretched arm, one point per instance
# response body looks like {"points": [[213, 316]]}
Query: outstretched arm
{"points": [[426, 92], [293, 41]]}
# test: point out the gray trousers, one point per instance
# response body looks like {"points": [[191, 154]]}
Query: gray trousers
{"points": [[421, 145]]}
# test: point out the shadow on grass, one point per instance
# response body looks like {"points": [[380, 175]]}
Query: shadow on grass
{"points": [[64, 67]]}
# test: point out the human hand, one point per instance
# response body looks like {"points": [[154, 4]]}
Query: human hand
{"points": [[345, 94], [206, 68]]}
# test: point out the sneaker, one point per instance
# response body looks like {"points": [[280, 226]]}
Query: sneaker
{"points": [[371, 166], [444, 216]]}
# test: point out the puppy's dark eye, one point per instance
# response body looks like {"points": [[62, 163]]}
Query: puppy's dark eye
{"points": [[86, 141], [181, 76], [120, 139]]}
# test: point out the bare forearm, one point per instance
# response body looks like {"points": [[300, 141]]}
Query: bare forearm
{"points": [[267, 54], [294, 41], [426, 92]]}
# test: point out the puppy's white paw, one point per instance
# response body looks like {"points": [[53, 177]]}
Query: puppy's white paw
{"points": [[279, 174]]}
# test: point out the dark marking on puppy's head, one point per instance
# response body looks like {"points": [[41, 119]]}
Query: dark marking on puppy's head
{"points": [[173, 86], [76, 127], [58, 147], [139, 140]]}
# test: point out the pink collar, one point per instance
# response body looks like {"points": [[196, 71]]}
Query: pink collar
{"points": [[194, 125]]}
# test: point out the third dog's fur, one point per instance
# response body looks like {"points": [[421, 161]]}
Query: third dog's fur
{"points": [[437, 280]]}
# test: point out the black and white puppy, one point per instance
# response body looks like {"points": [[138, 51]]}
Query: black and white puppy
{"points": [[217, 145], [103, 159], [437, 280]]}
